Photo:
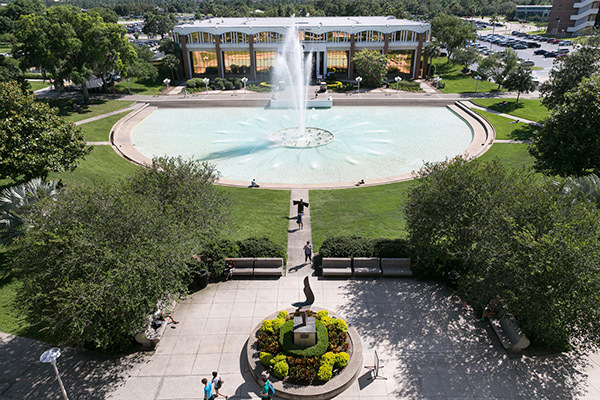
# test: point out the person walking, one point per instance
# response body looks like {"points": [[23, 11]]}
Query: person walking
{"points": [[208, 393], [217, 382], [301, 204], [299, 221], [308, 252], [267, 389]]}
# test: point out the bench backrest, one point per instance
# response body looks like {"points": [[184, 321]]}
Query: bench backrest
{"points": [[395, 262], [362, 262], [336, 263], [268, 262], [242, 262]]}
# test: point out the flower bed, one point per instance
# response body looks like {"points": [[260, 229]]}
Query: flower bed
{"points": [[304, 366]]}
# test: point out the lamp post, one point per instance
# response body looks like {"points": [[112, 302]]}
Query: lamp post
{"points": [[358, 80], [397, 79], [244, 81], [436, 81], [49, 357], [167, 81], [206, 81], [477, 79]]}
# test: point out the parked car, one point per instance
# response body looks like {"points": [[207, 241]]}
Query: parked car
{"points": [[527, 63], [533, 45], [562, 51], [540, 52], [518, 46], [550, 54], [565, 43], [553, 41]]}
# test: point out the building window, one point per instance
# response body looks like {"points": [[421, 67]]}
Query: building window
{"points": [[337, 61], [201, 37], [337, 37], [236, 62], [265, 60], [369, 36], [311, 37], [400, 61], [267, 37], [204, 62], [234, 38]]}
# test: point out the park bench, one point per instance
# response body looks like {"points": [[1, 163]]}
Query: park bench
{"points": [[396, 267], [268, 267], [337, 267], [509, 334], [366, 266], [242, 266]]}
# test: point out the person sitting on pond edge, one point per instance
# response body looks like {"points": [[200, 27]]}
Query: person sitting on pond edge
{"points": [[253, 184]]}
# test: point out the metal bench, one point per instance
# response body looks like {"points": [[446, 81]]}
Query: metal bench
{"points": [[509, 333], [242, 266], [366, 266], [396, 267], [337, 267], [268, 267]]}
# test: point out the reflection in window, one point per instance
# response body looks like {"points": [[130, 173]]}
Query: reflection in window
{"points": [[338, 36], [234, 38], [236, 62], [311, 37], [267, 37], [369, 36], [201, 60], [265, 60], [201, 37], [400, 61], [404, 36], [337, 60]]}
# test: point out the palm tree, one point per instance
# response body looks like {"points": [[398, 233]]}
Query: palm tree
{"points": [[431, 51], [585, 188], [16, 205], [171, 62]]}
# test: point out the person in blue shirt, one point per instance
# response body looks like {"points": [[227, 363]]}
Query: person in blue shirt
{"points": [[208, 393]]}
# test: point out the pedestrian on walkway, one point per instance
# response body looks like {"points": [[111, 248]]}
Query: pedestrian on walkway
{"points": [[267, 389], [208, 393], [299, 220], [301, 204], [217, 382], [308, 252]]}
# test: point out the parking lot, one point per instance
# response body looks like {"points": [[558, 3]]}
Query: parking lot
{"points": [[540, 61]]}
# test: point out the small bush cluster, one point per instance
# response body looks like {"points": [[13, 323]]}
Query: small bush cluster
{"points": [[197, 85], [274, 325], [358, 246], [329, 361]]}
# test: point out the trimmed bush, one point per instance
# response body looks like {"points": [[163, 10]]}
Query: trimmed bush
{"points": [[191, 83], [328, 358], [211, 71], [228, 85], [391, 248], [325, 372], [278, 358], [322, 313], [283, 315], [281, 369], [334, 85], [237, 84], [341, 325], [342, 359], [346, 246], [265, 358], [260, 247], [286, 341]]}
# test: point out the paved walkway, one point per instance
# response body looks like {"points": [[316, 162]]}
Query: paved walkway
{"points": [[297, 238], [511, 141], [134, 106]]}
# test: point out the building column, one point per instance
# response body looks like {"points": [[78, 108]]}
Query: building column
{"points": [[417, 63], [252, 58], [185, 54], [318, 65], [350, 56], [386, 43], [220, 66], [325, 63]]}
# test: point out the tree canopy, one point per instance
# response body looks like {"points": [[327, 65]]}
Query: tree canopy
{"points": [[568, 142], [34, 141], [452, 32], [103, 256], [520, 80], [372, 67]]}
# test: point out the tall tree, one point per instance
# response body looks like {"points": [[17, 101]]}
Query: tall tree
{"points": [[170, 63], [452, 32], [34, 141], [568, 142], [466, 56], [372, 67], [158, 24], [520, 80]]}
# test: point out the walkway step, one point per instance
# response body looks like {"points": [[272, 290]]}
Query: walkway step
{"points": [[297, 238]]}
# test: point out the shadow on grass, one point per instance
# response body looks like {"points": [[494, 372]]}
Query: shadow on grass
{"points": [[67, 107], [526, 132], [506, 107]]}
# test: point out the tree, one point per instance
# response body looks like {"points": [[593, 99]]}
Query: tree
{"points": [[371, 66], [10, 72], [452, 32], [510, 237], [34, 141], [431, 50], [499, 66], [520, 81], [103, 256], [568, 142], [170, 63], [571, 70], [15, 9], [107, 14], [583, 188], [466, 56], [141, 68], [158, 24]]}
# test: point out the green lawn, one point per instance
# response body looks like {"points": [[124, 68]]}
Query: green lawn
{"points": [[259, 213], [510, 155], [506, 128], [37, 85], [457, 82], [5, 47], [99, 131], [367, 211], [95, 108], [530, 109], [141, 87]]}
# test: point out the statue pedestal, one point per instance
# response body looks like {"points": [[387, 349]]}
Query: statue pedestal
{"points": [[305, 335]]}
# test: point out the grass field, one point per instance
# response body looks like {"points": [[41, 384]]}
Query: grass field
{"points": [[457, 82], [530, 109], [510, 155], [141, 87], [5, 47], [99, 131], [95, 108], [507, 128], [37, 85]]}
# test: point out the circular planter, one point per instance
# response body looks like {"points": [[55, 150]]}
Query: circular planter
{"points": [[327, 390]]}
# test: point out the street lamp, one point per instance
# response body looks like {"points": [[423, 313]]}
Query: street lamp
{"points": [[206, 81], [358, 80], [244, 81], [437, 81], [477, 79], [167, 81], [397, 79], [49, 357]]}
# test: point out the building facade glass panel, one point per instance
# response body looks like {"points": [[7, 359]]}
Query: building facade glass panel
{"points": [[337, 60], [400, 61], [265, 60], [234, 38], [267, 37], [201, 37], [369, 36], [201, 60], [312, 37], [337, 37], [236, 62]]}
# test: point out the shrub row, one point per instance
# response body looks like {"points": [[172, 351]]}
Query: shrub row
{"points": [[358, 246], [196, 84]]}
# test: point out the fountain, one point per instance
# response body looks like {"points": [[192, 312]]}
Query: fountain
{"points": [[293, 69]]}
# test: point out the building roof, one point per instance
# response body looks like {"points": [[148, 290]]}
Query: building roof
{"points": [[540, 7], [313, 24]]}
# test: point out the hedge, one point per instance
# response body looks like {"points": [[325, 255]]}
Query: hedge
{"points": [[358, 246], [286, 336]]}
